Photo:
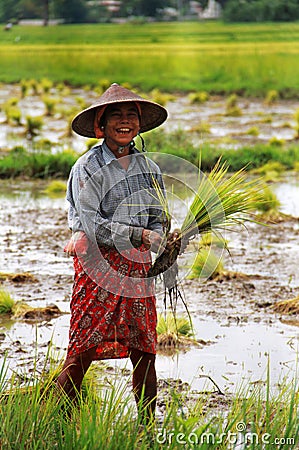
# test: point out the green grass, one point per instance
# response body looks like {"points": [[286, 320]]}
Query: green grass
{"points": [[20, 162], [33, 417], [195, 56]]}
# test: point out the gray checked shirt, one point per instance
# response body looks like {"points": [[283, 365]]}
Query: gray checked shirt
{"points": [[113, 205]]}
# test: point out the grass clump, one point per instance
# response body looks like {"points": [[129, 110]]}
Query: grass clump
{"points": [[41, 164], [56, 188], [174, 331], [33, 126], [198, 97], [271, 97], [269, 202], [6, 302], [232, 108], [289, 306], [207, 265]]}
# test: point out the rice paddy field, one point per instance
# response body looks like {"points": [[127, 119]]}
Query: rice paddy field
{"points": [[212, 56], [235, 386]]}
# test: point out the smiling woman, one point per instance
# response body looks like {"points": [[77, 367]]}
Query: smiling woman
{"points": [[116, 220]]}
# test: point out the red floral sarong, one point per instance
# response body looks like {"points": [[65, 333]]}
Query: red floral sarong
{"points": [[113, 306]]}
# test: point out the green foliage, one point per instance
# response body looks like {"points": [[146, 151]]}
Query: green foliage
{"points": [[33, 125], [232, 108], [20, 162], [50, 104], [207, 265], [191, 56], [271, 97], [268, 202], [36, 416], [56, 188], [6, 302], [198, 97], [261, 10], [179, 325]]}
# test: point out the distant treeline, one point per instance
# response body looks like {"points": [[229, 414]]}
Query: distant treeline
{"points": [[261, 10], [84, 11]]}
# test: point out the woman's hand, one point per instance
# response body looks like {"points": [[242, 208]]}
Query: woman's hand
{"points": [[153, 241], [78, 244]]}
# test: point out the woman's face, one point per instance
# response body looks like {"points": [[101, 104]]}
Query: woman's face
{"points": [[121, 124]]}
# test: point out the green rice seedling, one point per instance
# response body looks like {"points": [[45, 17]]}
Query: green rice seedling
{"points": [[198, 97], [268, 202], [34, 84], [276, 141], [296, 166], [201, 128], [220, 202], [6, 302], [43, 144], [160, 97], [104, 84], [208, 239], [207, 265], [13, 115], [50, 104], [253, 131], [91, 143], [174, 332], [56, 188], [271, 97], [81, 102], [232, 108], [266, 119], [270, 167], [33, 125], [25, 87], [46, 85], [296, 117]]}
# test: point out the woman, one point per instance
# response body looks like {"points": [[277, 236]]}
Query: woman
{"points": [[117, 220]]}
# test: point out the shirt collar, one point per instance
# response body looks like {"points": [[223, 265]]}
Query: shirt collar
{"points": [[108, 155]]}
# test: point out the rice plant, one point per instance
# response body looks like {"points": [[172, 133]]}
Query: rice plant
{"points": [[207, 265], [50, 104], [232, 108], [56, 188], [220, 202], [33, 126], [174, 332], [269, 201], [6, 302], [198, 97], [271, 97]]}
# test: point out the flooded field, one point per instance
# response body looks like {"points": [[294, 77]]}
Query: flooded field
{"points": [[236, 327], [237, 330]]}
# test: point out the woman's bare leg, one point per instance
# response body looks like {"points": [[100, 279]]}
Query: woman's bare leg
{"points": [[73, 371], [144, 382]]}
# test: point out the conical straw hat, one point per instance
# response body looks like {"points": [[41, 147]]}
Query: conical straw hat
{"points": [[152, 114]]}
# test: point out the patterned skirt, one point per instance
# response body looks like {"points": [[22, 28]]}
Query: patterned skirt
{"points": [[113, 306]]}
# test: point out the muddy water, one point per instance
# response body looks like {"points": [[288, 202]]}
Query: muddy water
{"points": [[233, 319]]}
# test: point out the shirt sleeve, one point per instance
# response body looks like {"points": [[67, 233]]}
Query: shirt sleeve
{"points": [[85, 214]]}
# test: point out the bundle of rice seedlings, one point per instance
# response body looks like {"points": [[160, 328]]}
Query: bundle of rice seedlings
{"points": [[221, 201], [290, 306], [174, 332]]}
